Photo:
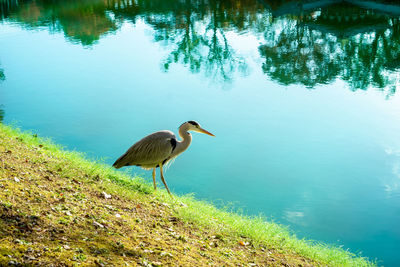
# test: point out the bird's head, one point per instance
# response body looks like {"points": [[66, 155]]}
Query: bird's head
{"points": [[194, 126]]}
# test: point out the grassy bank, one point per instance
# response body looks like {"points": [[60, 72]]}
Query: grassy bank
{"points": [[56, 207]]}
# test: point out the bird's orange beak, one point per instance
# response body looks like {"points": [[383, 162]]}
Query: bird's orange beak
{"points": [[201, 130]]}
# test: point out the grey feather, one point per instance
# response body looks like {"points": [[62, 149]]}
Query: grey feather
{"points": [[149, 151]]}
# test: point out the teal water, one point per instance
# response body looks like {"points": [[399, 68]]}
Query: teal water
{"points": [[302, 99]]}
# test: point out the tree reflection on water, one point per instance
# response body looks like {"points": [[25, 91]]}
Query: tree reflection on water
{"points": [[359, 46], [308, 46], [1, 114], [82, 22], [2, 78]]}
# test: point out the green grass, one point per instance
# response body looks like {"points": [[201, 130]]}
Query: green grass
{"points": [[255, 229], [260, 231]]}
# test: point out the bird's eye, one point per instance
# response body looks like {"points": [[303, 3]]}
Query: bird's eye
{"points": [[193, 123]]}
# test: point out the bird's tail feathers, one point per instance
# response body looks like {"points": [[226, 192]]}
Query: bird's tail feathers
{"points": [[115, 165], [120, 162]]}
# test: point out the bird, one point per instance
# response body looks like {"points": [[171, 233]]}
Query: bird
{"points": [[159, 149]]}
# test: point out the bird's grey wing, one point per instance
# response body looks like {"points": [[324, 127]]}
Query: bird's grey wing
{"points": [[151, 150]]}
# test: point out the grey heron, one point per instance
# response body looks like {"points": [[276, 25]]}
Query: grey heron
{"points": [[158, 149]]}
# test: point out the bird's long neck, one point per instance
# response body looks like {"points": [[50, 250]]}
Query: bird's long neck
{"points": [[184, 143]]}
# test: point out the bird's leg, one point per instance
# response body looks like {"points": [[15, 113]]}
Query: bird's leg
{"points": [[154, 179], [163, 180]]}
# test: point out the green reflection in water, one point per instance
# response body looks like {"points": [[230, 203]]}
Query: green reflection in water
{"points": [[2, 78], [308, 45], [358, 45], [82, 22], [195, 32]]}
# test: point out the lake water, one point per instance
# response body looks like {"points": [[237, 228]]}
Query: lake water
{"points": [[302, 98]]}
